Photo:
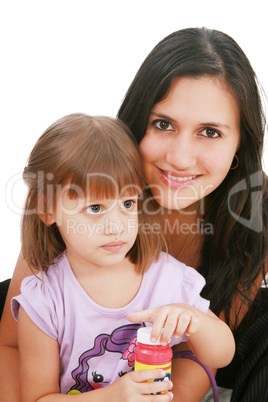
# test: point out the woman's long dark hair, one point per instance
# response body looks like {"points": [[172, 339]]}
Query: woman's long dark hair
{"points": [[234, 255]]}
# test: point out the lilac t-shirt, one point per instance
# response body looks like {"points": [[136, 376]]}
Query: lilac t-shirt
{"points": [[97, 343]]}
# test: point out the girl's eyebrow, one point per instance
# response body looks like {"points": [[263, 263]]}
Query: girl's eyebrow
{"points": [[205, 124]]}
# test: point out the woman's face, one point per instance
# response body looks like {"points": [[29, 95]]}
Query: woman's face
{"points": [[190, 142]]}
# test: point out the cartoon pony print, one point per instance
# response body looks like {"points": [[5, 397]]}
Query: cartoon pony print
{"points": [[122, 340]]}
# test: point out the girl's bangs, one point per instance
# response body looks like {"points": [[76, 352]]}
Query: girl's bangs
{"points": [[104, 163], [115, 182]]}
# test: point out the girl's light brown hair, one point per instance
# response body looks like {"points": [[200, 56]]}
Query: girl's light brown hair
{"points": [[96, 155]]}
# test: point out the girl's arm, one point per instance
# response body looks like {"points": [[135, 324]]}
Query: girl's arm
{"points": [[9, 362], [40, 368], [209, 338], [213, 342], [190, 381]]}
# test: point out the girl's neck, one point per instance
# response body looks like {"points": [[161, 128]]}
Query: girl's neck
{"points": [[111, 287]]}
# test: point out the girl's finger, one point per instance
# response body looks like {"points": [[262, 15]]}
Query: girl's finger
{"points": [[141, 376], [193, 326], [158, 324], [168, 396], [170, 328], [183, 323], [156, 387], [142, 316]]}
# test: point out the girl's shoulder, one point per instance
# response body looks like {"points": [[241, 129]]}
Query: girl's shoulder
{"points": [[42, 297], [171, 281], [50, 277], [168, 268], [46, 285]]}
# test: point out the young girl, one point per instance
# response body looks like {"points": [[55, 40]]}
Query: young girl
{"points": [[91, 229]]}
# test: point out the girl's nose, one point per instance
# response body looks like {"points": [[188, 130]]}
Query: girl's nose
{"points": [[114, 228], [114, 224], [181, 153]]}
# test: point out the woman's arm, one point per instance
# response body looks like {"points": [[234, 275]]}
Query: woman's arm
{"points": [[9, 366]]}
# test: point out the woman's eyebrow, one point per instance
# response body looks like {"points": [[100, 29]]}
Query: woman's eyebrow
{"points": [[163, 116], [216, 124]]}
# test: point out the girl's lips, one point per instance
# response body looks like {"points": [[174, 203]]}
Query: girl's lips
{"points": [[113, 247], [176, 180]]}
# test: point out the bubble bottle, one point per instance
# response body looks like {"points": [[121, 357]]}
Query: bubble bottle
{"points": [[152, 355]]}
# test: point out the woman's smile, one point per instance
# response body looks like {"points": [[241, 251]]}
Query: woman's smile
{"points": [[175, 179]]}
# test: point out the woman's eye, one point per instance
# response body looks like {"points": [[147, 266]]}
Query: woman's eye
{"points": [[163, 125], [94, 209], [211, 133]]}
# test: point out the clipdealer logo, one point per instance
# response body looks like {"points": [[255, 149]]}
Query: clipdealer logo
{"points": [[255, 221]]}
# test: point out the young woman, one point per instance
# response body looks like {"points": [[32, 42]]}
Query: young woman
{"points": [[90, 229], [195, 109], [219, 227]]}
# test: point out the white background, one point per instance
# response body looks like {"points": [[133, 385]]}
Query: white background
{"points": [[60, 57]]}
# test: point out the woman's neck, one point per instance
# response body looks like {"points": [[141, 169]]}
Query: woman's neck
{"points": [[184, 233]]}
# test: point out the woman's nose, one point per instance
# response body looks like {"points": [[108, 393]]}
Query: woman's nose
{"points": [[181, 152]]}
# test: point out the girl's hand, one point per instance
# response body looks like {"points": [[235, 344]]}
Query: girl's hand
{"points": [[175, 319], [132, 387]]}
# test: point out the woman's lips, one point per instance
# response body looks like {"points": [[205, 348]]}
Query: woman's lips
{"points": [[114, 247], [175, 180]]}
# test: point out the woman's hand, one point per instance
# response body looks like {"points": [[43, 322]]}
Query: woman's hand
{"points": [[173, 319], [132, 387]]}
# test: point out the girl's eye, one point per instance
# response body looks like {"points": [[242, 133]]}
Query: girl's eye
{"points": [[163, 125], [211, 133], [94, 209], [128, 204]]}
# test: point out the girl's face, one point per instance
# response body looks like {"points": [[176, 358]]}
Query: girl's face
{"points": [[97, 232], [190, 142]]}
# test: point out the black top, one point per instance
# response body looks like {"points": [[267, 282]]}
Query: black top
{"points": [[247, 374]]}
